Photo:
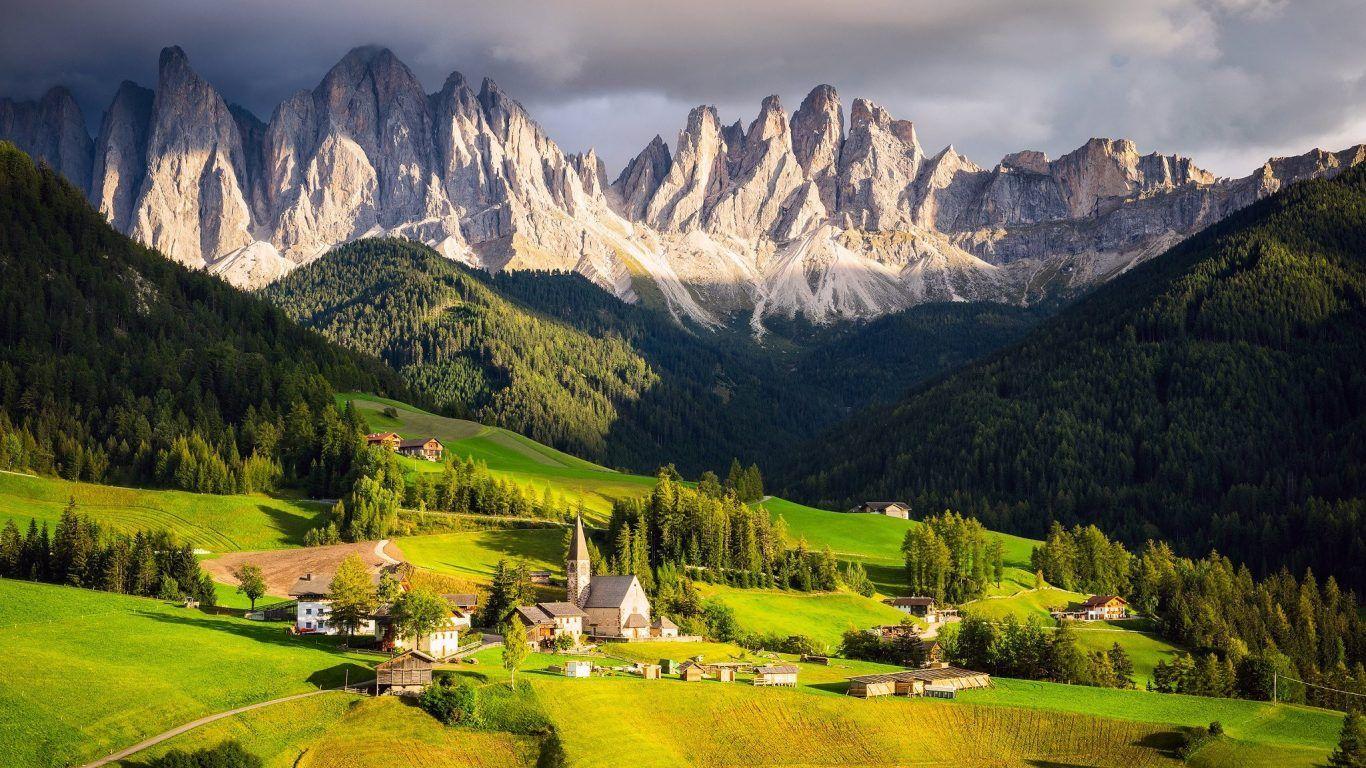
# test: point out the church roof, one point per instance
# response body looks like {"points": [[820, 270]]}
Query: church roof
{"points": [[636, 621], [579, 549], [608, 591]]}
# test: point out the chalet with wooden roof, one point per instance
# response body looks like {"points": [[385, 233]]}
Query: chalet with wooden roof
{"points": [[546, 622], [926, 608], [387, 440], [428, 448], [1096, 608], [897, 509]]}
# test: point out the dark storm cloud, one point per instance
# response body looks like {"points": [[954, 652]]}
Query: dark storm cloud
{"points": [[1226, 81]]}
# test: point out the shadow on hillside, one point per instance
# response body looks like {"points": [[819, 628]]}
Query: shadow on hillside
{"points": [[889, 579], [838, 686], [291, 525], [273, 634]]}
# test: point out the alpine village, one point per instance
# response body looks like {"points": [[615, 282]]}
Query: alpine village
{"points": [[368, 427]]}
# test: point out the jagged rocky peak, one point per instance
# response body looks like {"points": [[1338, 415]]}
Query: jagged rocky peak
{"points": [[1028, 160], [698, 173], [592, 171], [817, 135], [191, 205], [879, 163], [51, 129], [1103, 169], [636, 184], [121, 153]]}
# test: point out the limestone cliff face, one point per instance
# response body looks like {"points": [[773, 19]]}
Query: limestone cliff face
{"points": [[121, 154], [52, 130], [192, 204], [798, 214]]}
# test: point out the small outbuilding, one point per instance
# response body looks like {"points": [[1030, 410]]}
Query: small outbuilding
{"points": [[578, 668], [669, 666], [690, 671], [868, 686], [725, 674], [649, 671], [776, 674], [917, 682], [407, 673]]}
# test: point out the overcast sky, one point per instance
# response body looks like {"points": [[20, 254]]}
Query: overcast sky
{"points": [[1228, 82]]}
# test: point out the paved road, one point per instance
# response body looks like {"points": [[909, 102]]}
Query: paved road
{"points": [[381, 554], [155, 740]]}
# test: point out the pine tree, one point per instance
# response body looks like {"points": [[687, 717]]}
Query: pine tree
{"points": [[1351, 750]]}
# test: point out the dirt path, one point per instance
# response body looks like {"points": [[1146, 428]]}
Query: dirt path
{"points": [[157, 739]]}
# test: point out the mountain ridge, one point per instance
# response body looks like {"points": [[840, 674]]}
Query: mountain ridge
{"points": [[790, 215]]}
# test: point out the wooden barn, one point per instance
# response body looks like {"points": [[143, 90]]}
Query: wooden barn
{"points": [[776, 674], [407, 673], [428, 448]]}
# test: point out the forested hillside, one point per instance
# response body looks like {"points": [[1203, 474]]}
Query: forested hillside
{"points": [[119, 365], [555, 357], [1213, 398]]}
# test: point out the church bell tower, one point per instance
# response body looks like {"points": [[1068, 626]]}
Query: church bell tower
{"points": [[577, 569]]}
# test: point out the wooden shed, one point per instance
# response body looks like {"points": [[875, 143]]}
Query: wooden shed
{"points": [[669, 666], [578, 668], [725, 674], [952, 677], [690, 671], [868, 686], [649, 671], [408, 672], [776, 674]]}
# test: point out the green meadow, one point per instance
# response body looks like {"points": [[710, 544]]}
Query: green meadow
{"points": [[473, 555], [519, 459], [214, 523], [1273, 734], [822, 616], [89, 672]]}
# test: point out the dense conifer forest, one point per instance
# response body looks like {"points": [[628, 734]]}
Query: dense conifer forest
{"points": [[1213, 397], [559, 359], [118, 365]]}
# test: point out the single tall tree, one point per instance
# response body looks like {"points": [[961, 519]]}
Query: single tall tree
{"points": [[250, 582], [514, 647], [419, 613], [1351, 751], [352, 594]]}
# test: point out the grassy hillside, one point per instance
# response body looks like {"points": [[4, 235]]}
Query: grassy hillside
{"points": [[520, 459], [211, 522], [87, 671], [822, 616], [1270, 735]]}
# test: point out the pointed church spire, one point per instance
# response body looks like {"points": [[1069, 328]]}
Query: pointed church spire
{"points": [[577, 569], [580, 549]]}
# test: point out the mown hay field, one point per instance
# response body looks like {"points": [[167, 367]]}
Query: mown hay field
{"points": [[215, 523]]}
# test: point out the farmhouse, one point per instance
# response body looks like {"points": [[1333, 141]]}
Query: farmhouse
{"points": [[407, 673], [1096, 608], [386, 440], [314, 608], [776, 674], [897, 509], [440, 643], [926, 608], [546, 622], [615, 607], [428, 448], [917, 682]]}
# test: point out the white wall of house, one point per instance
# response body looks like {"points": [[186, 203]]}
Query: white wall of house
{"points": [[315, 616]]}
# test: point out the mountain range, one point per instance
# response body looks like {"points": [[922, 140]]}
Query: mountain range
{"points": [[798, 215]]}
